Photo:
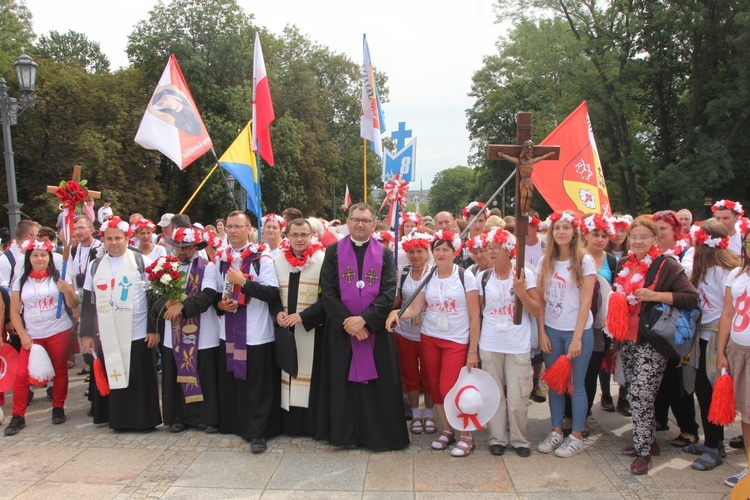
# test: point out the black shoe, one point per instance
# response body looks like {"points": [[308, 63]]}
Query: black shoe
{"points": [[497, 449], [607, 404], [49, 393], [90, 413], [523, 452], [258, 445], [177, 427], [16, 424], [31, 398], [58, 416], [537, 396], [623, 406], [737, 442]]}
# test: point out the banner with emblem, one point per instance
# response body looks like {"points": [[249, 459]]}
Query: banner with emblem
{"points": [[576, 180]]}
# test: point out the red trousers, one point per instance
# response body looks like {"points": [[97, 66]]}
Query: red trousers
{"points": [[443, 360], [410, 360], [57, 347]]}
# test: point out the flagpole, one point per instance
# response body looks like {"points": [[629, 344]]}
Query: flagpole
{"points": [[364, 143], [223, 176], [199, 188], [395, 236]]}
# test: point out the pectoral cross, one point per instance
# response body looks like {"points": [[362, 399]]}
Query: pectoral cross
{"points": [[371, 277], [523, 155]]}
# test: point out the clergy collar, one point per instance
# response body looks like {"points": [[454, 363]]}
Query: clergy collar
{"points": [[360, 243]]}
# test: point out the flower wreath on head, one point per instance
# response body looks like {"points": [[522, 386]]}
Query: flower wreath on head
{"points": [[410, 217], [566, 216], [416, 239], [37, 245], [734, 206], [187, 235], [212, 239], [224, 254], [500, 236], [273, 217], [297, 264], [701, 237], [478, 241], [596, 221], [387, 238], [450, 237], [742, 226], [324, 222], [467, 209], [534, 221], [620, 222], [118, 223], [144, 223]]}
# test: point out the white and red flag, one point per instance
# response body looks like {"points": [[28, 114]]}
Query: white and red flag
{"points": [[371, 123], [347, 200], [172, 123], [262, 106]]}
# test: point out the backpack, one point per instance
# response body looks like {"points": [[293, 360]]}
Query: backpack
{"points": [[12, 260]]}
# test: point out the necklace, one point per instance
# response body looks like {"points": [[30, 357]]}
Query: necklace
{"points": [[633, 274], [678, 248], [297, 264]]}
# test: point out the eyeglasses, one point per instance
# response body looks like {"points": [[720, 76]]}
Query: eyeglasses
{"points": [[356, 221], [298, 236], [641, 237], [232, 227], [746, 244]]}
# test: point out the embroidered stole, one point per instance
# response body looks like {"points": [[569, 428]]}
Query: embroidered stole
{"points": [[185, 334], [114, 307], [357, 293]]}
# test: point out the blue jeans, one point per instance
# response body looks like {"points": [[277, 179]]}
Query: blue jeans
{"points": [[560, 341]]}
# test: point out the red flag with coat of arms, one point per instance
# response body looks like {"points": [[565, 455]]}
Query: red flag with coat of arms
{"points": [[576, 180]]}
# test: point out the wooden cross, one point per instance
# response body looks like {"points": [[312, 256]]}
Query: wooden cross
{"points": [[523, 156], [76, 177], [371, 276], [348, 275]]}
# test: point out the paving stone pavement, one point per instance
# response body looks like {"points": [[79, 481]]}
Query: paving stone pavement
{"points": [[80, 460]]}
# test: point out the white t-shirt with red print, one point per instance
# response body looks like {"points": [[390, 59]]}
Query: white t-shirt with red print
{"points": [[562, 295], [739, 284], [499, 333], [446, 314]]}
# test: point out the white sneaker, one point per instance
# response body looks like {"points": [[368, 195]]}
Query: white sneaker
{"points": [[552, 441], [731, 481], [2, 416], [571, 446]]}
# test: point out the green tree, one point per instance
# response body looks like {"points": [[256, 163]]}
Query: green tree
{"points": [[451, 190], [74, 48]]}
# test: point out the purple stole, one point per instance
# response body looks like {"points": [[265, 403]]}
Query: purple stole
{"points": [[185, 339], [357, 293], [235, 327]]}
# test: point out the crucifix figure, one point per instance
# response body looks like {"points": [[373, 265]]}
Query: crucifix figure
{"points": [[523, 155]]}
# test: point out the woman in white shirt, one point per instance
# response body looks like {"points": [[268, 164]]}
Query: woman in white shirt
{"points": [[450, 331], [565, 277], [144, 230], [37, 292], [504, 347], [272, 226]]}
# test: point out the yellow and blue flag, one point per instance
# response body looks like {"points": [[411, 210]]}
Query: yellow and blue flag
{"points": [[239, 161]]}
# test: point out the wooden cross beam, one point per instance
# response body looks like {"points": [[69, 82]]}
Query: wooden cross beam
{"points": [[523, 154], [76, 177]]}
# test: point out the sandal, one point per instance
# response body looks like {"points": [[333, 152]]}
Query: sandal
{"points": [[416, 426], [464, 447], [83, 371], [429, 425], [684, 440], [445, 439]]}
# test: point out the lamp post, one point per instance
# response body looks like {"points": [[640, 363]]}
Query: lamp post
{"points": [[10, 108]]}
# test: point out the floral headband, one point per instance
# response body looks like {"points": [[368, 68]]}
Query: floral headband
{"points": [[596, 221], [273, 217], [566, 216], [144, 224], [467, 209], [734, 206], [410, 217], [534, 220], [621, 222], [701, 237], [500, 236], [187, 235], [742, 226], [212, 238], [448, 236], [37, 245], [477, 242], [116, 223], [415, 240]]}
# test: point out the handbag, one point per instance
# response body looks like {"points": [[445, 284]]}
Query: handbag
{"points": [[285, 350]]}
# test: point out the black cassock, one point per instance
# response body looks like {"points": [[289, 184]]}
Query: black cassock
{"points": [[352, 413]]}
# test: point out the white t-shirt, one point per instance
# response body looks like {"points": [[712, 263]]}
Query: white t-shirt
{"points": [[534, 253], [79, 263], [40, 308], [102, 213], [562, 295], [411, 328], [208, 335], [711, 294], [735, 243], [739, 284], [156, 252], [499, 333], [687, 261], [446, 313]]}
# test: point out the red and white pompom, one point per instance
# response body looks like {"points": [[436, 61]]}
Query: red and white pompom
{"points": [[273, 217], [41, 370], [467, 209], [701, 237], [144, 224], [415, 239], [116, 223], [500, 236], [734, 206], [448, 236], [187, 235], [596, 221], [31, 245]]}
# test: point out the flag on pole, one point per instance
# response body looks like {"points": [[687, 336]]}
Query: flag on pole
{"points": [[262, 106], [347, 200], [172, 123], [371, 124], [576, 180], [239, 161]]}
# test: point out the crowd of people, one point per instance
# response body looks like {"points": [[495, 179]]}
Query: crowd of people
{"points": [[386, 325]]}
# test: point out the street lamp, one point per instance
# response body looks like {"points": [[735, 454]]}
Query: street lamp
{"points": [[10, 108]]}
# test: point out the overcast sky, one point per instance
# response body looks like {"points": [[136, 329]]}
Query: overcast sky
{"points": [[428, 49]]}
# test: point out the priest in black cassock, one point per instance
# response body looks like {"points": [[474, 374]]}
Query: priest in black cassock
{"points": [[360, 400]]}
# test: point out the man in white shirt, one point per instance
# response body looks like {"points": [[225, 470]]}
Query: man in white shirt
{"points": [[11, 262], [105, 211], [728, 212]]}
